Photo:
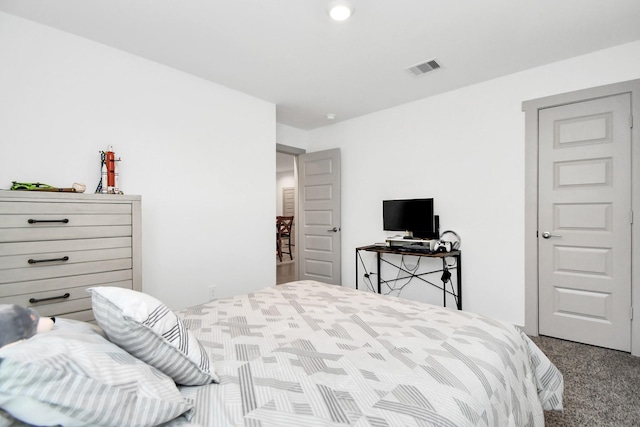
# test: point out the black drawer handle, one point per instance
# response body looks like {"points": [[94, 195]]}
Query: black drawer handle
{"points": [[35, 221], [35, 261], [35, 300]]}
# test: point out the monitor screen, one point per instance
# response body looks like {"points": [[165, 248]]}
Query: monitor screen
{"points": [[414, 216]]}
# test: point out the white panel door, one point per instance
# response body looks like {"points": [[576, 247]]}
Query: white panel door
{"points": [[288, 201], [319, 216], [289, 208], [584, 223]]}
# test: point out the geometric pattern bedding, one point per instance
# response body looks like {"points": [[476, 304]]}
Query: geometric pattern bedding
{"points": [[312, 354]]}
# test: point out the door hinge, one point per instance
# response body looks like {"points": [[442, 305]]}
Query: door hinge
{"points": [[631, 313], [631, 121], [631, 217]]}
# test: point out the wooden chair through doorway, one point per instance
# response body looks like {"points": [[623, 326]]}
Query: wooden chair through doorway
{"points": [[283, 231]]}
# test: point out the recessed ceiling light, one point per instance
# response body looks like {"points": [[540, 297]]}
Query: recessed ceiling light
{"points": [[331, 116], [340, 10]]}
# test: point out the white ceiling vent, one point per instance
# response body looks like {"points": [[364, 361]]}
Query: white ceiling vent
{"points": [[424, 67]]}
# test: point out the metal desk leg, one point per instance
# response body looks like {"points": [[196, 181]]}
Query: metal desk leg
{"points": [[444, 284], [459, 280], [356, 268], [378, 273]]}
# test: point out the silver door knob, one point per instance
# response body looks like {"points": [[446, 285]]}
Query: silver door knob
{"points": [[548, 235], [334, 229]]}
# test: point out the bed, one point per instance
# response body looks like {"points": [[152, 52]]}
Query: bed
{"points": [[312, 354]]}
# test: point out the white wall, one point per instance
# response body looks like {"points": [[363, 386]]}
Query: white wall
{"points": [[198, 153], [293, 137], [465, 148]]}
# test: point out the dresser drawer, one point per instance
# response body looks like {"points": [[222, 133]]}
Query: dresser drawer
{"points": [[59, 302], [33, 221], [34, 288], [84, 316], [39, 260], [43, 247], [9, 207], [43, 272], [58, 233], [44, 221]]}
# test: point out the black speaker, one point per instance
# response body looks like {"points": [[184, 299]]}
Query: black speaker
{"points": [[436, 225]]}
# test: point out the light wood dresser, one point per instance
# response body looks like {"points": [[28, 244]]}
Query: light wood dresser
{"points": [[53, 246]]}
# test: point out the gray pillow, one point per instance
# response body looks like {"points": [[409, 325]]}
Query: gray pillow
{"points": [[73, 376], [147, 329]]}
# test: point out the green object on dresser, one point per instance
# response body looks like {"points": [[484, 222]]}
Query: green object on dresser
{"points": [[30, 186]]}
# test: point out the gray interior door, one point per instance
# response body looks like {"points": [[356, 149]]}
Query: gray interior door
{"points": [[289, 208], [288, 201], [584, 222], [318, 226]]}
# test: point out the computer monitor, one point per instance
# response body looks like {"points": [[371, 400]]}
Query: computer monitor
{"points": [[414, 216]]}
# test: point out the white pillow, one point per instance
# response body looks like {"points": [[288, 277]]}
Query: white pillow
{"points": [[73, 376], [147, 329]]}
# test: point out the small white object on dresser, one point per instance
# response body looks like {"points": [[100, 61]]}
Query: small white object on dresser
{"points": [[53, 246]]}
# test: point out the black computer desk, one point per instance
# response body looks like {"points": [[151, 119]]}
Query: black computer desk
{"points": [[445, 277]]}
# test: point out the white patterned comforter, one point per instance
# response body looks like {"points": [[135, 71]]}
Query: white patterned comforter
{"points": [[311, 354]]}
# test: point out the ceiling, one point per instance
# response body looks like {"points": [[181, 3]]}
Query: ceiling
{"points": [[290, 53]]}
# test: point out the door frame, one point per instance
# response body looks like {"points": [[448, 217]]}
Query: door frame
{"points": [[531, 109], [295, 152]]}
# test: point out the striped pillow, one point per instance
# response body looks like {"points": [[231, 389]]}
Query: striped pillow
{"points": [[147, 329], [72, 375]]}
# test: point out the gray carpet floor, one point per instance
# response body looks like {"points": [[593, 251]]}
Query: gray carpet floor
{"points": [[601, 386]]}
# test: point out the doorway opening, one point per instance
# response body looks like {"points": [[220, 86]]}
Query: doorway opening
{"points": [[286, 205]]}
